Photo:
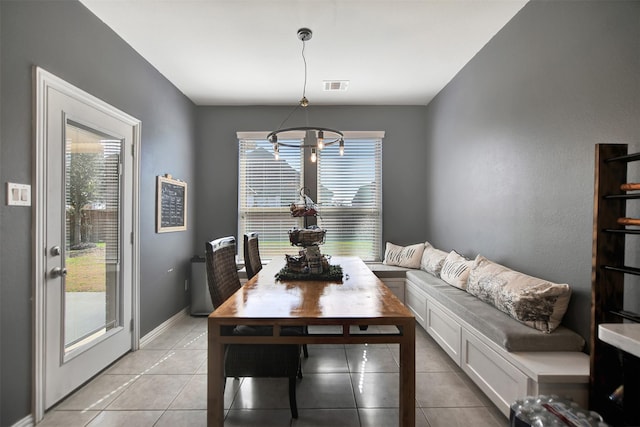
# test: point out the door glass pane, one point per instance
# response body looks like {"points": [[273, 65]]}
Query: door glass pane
{"points": [[92, 247]]}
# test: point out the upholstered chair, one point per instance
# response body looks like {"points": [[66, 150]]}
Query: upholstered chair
{"points": [[249, 360], [253, 264], [252, 261]]}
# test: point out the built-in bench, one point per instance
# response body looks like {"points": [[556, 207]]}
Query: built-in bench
{"points": [[504, 357]]}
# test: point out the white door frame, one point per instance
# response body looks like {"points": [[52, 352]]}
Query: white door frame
{"points": [[43, 81]]}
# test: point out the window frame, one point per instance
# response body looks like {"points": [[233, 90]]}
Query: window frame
{"points": [[310, 180]]}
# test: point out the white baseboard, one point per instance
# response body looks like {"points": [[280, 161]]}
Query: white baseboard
{"points": [[164, 326], [25, 422]]}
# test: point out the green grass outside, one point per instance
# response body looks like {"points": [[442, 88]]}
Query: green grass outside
{"points": [[342, 248], [86, 270]]}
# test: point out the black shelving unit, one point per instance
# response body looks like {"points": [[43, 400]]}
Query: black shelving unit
{"points": [[611, 367]]}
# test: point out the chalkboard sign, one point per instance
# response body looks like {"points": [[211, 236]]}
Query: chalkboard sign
{"points": [[171, 205]]}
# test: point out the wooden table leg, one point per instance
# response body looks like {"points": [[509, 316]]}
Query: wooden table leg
{"points": [[215, 376], [407, 411]]}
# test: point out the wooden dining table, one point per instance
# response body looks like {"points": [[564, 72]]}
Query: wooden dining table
{"points": [[360, 300]]}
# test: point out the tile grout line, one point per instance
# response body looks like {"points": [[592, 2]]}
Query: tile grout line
{"points": [[354, 369], [353, 389], [187, 382], [132, 380]]}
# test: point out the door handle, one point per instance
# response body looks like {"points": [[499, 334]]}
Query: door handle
{"points": [[58, 272]]}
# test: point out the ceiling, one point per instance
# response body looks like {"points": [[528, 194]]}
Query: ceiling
{"points": [[246, 52]]}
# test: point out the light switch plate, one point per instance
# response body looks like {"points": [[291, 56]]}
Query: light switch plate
{"points": [[18, 194]]}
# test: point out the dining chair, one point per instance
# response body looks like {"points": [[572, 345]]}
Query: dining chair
{"points": [[253, 264], [252, 261], [249, 360]]}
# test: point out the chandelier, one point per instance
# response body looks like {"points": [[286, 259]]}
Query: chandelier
{"points": [[324, 136]]}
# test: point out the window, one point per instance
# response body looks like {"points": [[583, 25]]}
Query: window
{"points": [[266, 188], [348, 192], [350, 198]]}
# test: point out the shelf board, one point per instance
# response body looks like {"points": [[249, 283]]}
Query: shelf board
{"points": [[626, 314], [623, 196], [622, 230], [623, 269], [626, 158]]}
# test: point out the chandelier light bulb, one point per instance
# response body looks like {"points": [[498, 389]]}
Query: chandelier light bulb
{"points": [[320, 140], [313, 155], [341, 147], [276, 151]]}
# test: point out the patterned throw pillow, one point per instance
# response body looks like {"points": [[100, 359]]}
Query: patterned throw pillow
{"points": [[535, 302], [403, 256], [455, 270], [432, 259]]}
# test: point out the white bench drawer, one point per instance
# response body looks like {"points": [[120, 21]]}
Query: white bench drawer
{"points": [[444, 330], [416, 300], [499, 380]]}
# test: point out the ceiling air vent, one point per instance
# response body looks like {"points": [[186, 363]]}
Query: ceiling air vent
{"points": [[335, 85]]}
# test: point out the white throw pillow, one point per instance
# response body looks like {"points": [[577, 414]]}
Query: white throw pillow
{"points": [[404, 256], [432, 259], [455, 270]]}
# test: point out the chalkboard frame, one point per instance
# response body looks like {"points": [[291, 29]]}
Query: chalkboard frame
{"points": [[167, 221]]}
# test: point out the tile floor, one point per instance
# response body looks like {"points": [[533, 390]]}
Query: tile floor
{"points": [[164, 384]]}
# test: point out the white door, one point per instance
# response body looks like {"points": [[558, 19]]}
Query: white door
{"points": [[87, 211]]}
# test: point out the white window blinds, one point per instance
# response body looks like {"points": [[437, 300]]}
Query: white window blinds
{"points": [[349, 194], [350, 198], [266, 188]]}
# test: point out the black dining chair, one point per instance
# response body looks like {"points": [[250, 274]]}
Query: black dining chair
{"points": [[253, 264], [249, 360], [252, 261]]}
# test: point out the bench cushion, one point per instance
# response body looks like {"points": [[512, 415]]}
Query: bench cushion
{"points": [[384, 271], [491, 322]]}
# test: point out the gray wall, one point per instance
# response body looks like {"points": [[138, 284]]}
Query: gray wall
{"points": [[500, 163], [511, 139], [403, 166], [64, 38]]}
